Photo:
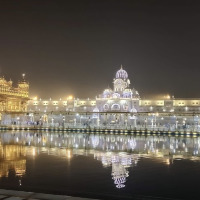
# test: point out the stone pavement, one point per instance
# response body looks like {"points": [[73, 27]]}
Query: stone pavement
{"points": [[21, 195]]}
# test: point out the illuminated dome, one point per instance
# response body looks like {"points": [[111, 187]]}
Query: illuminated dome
{"points": [[127, 93], [107, 91], [122, 74], [116, 95], [95, 109], [133, 110]]}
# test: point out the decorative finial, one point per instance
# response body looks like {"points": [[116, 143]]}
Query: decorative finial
{"points": [[121, 66], [23, 75]]}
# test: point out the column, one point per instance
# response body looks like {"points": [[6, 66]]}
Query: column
{"points": [[134, 122]]}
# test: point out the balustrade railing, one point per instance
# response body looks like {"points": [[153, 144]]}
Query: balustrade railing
{"points": [[103, 120]]}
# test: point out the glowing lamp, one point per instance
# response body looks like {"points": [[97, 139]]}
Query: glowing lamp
{"points": [[70, 97]]}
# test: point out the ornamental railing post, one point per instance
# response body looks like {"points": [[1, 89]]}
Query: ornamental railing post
{"points": [[193, 122]]}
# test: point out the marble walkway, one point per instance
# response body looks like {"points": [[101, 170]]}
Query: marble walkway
{"points": [[21, 195]]}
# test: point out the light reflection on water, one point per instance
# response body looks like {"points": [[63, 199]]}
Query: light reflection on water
{"points": [[120, 153]]}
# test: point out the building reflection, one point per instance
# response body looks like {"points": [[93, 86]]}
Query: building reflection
{"points": [[12, 158], [120, 163], [117, 152]]}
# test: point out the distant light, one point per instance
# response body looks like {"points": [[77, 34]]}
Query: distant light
{"points": [[35, 98], [167, 96], [70, 97]]}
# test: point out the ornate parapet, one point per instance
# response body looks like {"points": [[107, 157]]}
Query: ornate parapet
{"points": [[13, 99]]}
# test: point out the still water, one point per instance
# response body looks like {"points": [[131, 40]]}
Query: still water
{"points": [[101, 166]]}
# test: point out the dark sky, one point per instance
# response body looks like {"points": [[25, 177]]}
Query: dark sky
{"points": [[76, 47]]}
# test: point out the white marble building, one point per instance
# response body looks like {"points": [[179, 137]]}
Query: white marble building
{"points": [[122, 98]]}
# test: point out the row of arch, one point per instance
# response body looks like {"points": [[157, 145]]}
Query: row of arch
{"points": [[115, 107]]}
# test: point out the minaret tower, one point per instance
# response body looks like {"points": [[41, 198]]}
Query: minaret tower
{"points": [[23, 86]]}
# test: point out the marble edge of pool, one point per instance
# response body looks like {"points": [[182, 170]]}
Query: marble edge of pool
{"points": [[21, 195]]}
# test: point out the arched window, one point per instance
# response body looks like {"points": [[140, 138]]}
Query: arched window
{"points": [[106, 107], [115, 107]]}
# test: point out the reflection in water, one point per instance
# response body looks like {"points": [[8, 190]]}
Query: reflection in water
{"points": [[12, 158], [119, 174], [120, 163], [119, 152]]}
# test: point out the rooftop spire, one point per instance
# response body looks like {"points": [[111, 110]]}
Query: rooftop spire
{"points": [[121, 66]]}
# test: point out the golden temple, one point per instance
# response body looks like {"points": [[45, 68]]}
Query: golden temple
{"points": [[13, 99]]}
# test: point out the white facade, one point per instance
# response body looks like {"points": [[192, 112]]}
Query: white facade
{"points": [[122, 98]]}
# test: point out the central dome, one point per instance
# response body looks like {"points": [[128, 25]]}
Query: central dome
{"points": [[122, 74]]}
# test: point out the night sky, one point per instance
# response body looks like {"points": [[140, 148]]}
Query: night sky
{"points": [[75, 47]]}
